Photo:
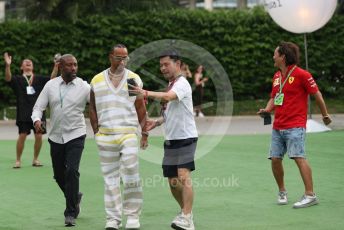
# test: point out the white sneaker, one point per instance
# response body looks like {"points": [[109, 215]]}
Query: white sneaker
{"points": [[133, 223], [306, 201], [282, 198], [113, 225], [175, 220], [184, 222]]}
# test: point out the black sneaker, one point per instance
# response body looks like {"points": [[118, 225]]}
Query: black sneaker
{"points": [[69, 221], [78, 205]]}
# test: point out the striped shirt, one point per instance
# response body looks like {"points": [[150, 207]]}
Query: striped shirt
{"points": [[116, 110]]}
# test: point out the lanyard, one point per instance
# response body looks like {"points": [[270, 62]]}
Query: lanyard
{"points": [[29, 81], [164, 103], [63, 94], [171, 83], [280, 79]]}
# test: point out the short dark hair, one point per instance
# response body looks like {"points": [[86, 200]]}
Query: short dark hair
{"points": [[171, 53], [290, 51], [117, 46], [64, 57]]}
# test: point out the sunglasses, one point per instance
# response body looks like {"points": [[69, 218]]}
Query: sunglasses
{"points": [[119, 58]]}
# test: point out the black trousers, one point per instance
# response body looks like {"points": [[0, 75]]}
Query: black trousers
{"points": [[66, 160]]}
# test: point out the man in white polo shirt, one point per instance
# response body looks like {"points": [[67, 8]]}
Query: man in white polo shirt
{"points": [[180, 135]]}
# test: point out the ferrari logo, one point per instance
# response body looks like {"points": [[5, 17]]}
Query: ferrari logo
{"points": [[291, 80]]}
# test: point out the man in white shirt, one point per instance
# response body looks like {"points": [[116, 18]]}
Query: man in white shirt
{"points": [[67, 96], [180, 135]]}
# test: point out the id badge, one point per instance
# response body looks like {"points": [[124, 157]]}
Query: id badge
{"points": [[279, 99], [30, 90]]}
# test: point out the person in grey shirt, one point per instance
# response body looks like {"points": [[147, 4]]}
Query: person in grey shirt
{"points": [[180, 135], [67, 96]]}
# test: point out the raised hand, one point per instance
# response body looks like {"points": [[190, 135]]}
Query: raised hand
{"points": [[7, 59], [132, 89]]}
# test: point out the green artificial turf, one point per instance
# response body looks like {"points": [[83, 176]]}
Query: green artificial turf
{"points": [[234, 188]]}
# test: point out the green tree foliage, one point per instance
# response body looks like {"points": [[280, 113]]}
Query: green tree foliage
{"points": [[340, 7], [242, 41], [74, 9]]}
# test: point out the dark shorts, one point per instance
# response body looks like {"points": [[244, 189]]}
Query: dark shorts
{"points": [[25, 127], [178, 154]]}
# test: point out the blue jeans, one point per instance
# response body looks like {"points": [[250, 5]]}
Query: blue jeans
{"points": [[291, 141]]}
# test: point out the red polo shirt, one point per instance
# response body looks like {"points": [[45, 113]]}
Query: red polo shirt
{"points": [[293, 112]]}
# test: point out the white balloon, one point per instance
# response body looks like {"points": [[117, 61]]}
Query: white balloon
{"points": [[301, 16]]}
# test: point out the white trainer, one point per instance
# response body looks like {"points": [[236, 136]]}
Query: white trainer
{"points": [[306, 201], [282, 198], [175, 220], [133, 223], [184, 222], [113, 225]]}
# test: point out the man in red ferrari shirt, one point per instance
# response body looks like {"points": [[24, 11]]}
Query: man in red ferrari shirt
{"points": [[289, 98]]}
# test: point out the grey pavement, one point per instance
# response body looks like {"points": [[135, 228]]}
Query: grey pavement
{"points": [[235, 125]]}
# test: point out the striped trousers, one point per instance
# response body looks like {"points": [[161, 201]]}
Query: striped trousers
{"points": [[119, 160]]}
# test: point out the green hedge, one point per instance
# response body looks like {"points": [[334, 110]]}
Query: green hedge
{"points": [[243, 42]]}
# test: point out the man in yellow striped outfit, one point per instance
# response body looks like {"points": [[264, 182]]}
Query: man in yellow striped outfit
{"points": [[115, 117]]}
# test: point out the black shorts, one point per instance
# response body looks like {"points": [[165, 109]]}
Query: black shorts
{"points": [[178, 154], [25, 127]]}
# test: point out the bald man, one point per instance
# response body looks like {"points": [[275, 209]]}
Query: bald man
{"points": [[67, 96]]}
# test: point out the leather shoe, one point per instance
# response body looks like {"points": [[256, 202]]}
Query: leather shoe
{"points": [[69, 221]]}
